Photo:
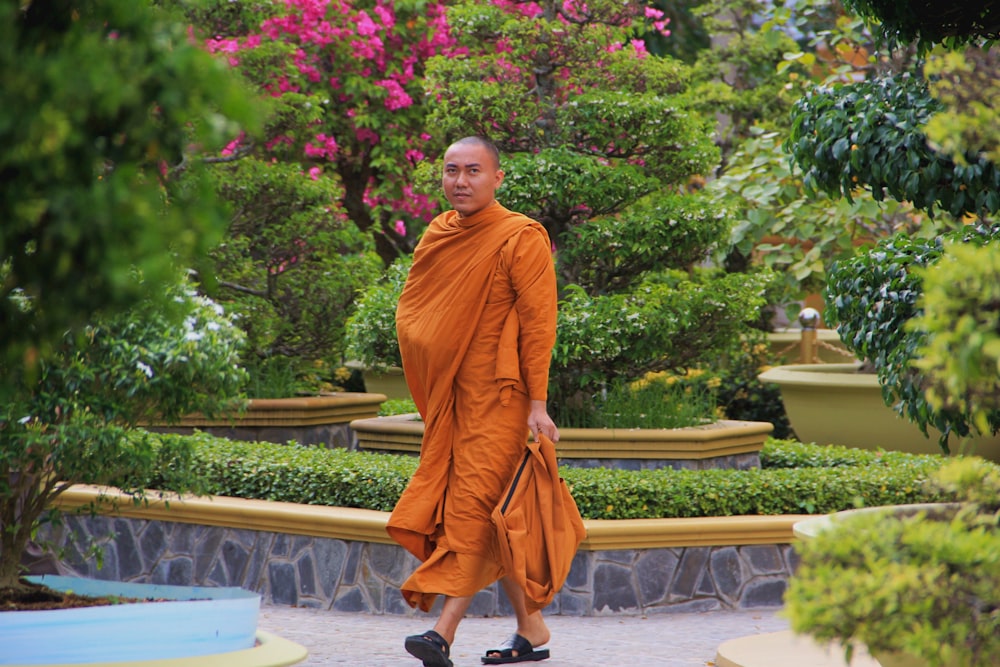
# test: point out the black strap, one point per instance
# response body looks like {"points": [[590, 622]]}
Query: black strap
{"points": [[517, 478]]}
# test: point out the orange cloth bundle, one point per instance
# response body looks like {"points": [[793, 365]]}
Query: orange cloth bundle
{"points": [[538, 526]]}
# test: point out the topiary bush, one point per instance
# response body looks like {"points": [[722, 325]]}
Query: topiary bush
{"points": [[290, 266], [930, 21], [960, 354], [922, 584], [872, 297], [871, 134]]}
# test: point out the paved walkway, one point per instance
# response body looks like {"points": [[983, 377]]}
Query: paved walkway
{"points": [[666, 640]]}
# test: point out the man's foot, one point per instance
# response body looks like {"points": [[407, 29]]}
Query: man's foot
{"points": [[515, 649], [429, 647]]}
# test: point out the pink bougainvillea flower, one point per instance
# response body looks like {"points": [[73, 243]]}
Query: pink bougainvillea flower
{"points": [[398, 98], [357, 59], [365, 134], [280, 140], [324, 146]]}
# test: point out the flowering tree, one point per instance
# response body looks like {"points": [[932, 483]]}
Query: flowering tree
{"points": [[588, 121], [326, 188], [346, 78], [599, 140]]}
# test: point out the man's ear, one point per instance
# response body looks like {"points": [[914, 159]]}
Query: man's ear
{"points": [[499, 178]]}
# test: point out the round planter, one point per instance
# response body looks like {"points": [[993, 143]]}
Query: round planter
{"points": [[176, 626], [836, 404], [808, 528], [391, 382]]}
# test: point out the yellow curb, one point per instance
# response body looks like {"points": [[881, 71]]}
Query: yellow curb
{"points": [[346, 523]]}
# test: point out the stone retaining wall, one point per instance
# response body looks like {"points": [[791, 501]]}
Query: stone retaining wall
{"points": [[326, 435], [733, 461], [359, 576]]}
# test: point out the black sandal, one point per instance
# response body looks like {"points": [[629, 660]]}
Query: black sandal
{"points": [[525, 652], [429, 647]]}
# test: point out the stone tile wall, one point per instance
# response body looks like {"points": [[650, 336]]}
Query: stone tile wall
{"points": [[736, 461], [327, 435], [365, 577]]}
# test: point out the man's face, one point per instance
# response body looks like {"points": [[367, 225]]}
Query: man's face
{"points": [[470, 178]]}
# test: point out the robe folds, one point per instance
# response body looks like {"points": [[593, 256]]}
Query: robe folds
{"points": [[476, 326], [538, 525]]}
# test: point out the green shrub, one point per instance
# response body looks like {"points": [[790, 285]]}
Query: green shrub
{"points": [[371, 329], [292, 262], [657, 400], [300, 474], [870, 134], [795, 478], [397, 406], [961, 350], [824, 484], [921, 584], [872, 299]]}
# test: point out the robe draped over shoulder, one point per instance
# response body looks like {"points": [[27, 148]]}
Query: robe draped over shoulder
{"points": [[476, 326]]}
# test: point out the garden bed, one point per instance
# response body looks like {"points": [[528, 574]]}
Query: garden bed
{"points": [[308, 527]]}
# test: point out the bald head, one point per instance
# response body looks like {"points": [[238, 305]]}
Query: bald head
{"points": [[482, 142]]}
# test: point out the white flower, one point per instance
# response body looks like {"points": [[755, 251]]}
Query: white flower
{"points": [[144, 368], [194, 335]]}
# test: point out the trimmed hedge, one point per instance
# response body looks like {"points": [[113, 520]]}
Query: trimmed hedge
{"points": [[303, 474], [812, 489], [795, 478]]}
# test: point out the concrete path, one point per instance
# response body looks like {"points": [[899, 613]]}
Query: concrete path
{"points": [[667, 640]]}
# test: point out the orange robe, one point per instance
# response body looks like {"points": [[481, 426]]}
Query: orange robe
{"points": [[476, 325], [538, 526]]}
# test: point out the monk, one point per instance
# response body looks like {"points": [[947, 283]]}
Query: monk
{"points": [[476, 324]]}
